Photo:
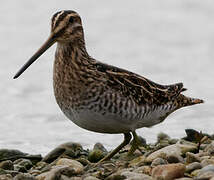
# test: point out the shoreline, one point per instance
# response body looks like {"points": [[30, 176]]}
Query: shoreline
{"points": [[191, 157]]}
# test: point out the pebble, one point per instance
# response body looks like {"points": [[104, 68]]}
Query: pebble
{"points": [[7, 165], [177, 149], [208, 168], [174, 158], [138, 161], [169, 171], [90, 178], [206, 162], [70, 162], [9, 153], [210, 148], [20, 168], [193, 166], [96, 155], [6, 177], [26, 163], [162, 136], [100, 147], [77, 166], [158, 161], [135, 176], [144, 170], [56, 172], [70, 148], [24, 176], [191, 157]]}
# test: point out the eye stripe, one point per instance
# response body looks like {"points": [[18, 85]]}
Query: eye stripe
{"points": [[61, 15]]}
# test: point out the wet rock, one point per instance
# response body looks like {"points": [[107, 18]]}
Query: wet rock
{"points": [[169, 171], [7, 165], [135, 176], [72, 178], [158, 161], [73, 150], [138, 161], [6, 177], [24, 176], [205, 175], [206, 162], [96, 155], [178, 149], [99, 146], [210, 148], [20, 168], [174, 158], [90, 178], [26, 163], [77, 166], [193, 166], [190, 157], [173, 141], [11, 172], [11, 154], [129, 175], [208, 168], [56, 172], [195, 173], [162, 136], [144, 170]]}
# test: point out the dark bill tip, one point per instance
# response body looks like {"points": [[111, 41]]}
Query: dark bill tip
{"points": [[50, 41]]}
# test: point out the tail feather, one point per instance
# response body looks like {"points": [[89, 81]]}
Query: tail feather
{"points": [[188, 101]]}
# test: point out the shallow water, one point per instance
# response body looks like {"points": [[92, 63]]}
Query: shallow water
{"points": [[167, 41]]}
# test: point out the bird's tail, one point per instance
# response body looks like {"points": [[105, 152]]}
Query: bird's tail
{"points": [[188, 101]]}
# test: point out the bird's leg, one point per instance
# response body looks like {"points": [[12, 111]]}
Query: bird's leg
{"points": [[127, 139], [135, 144]]}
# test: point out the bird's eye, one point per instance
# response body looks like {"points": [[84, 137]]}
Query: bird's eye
{"points": [[71, 20]]}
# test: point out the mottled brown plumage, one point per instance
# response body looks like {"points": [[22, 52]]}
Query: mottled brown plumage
{"points": [[101, 97]]}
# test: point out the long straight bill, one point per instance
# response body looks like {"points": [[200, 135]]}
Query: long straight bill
{"points": [[50, 41]]}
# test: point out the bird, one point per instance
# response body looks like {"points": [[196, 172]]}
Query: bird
{"points": [[100, 97]]}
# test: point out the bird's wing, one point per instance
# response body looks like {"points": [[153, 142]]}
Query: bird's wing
{"points": [[140, 89]]}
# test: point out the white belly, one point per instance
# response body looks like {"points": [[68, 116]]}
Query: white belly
{"points": [[115, 123]]}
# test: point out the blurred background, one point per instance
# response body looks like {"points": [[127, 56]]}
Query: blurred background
{"points": [[166, 41]]}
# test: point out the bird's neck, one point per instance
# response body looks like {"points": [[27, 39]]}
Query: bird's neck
{"points": [[72, 51]]}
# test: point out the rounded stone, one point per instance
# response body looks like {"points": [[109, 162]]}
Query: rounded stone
{"points": [[162, 136], [100, 147], [96, 155], [193, 166], [174, 158], [7, 165], [70, 148], [190, 157], [77, 166], [169, 171], [144, 170], [24, 176], [90, 178], [24, 162], [6, 177], [56, 172], [207, 162], [20, 168], [158, 161], [208, 168], [171, 149], [8, 153]]}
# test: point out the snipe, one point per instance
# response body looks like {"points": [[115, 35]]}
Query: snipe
{"points": [[99, 97]]}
